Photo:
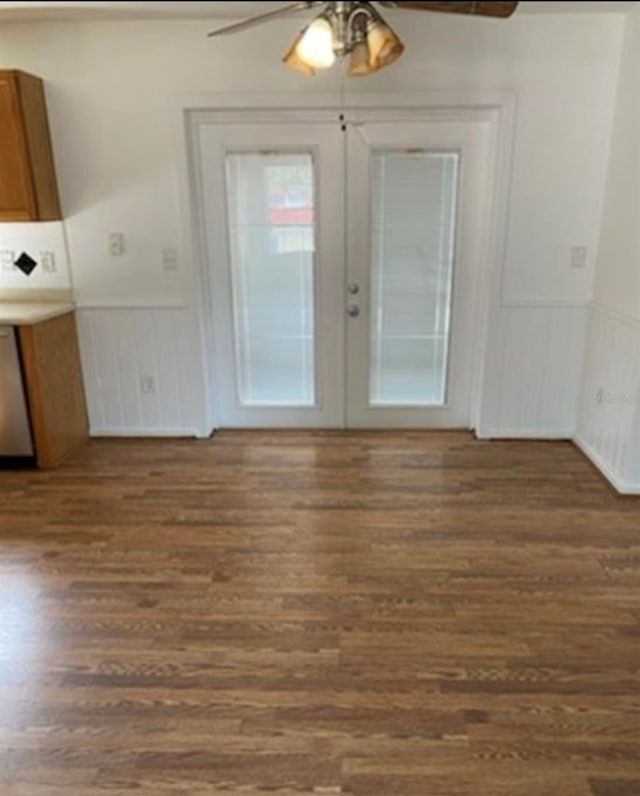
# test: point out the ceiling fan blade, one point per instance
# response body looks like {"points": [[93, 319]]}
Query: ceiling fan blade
{"points": [[488, 9], [279, 12]]}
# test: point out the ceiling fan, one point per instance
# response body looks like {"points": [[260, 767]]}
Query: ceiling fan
{"points": [[356, 29]]}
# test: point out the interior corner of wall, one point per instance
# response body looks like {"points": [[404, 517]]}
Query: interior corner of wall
{"points": [[634, 464]]}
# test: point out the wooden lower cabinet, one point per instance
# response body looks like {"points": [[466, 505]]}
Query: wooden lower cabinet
{"points": [[54, 386]]}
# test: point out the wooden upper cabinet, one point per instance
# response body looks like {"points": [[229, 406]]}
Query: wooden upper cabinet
{"points": [[28, 186]]}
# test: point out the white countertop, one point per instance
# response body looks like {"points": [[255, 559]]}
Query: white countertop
{"points": [[26, 313]]}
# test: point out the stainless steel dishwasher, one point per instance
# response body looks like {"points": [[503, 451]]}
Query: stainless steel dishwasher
{"points": [[15, 432]]}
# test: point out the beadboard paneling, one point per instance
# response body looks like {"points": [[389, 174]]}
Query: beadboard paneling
{"points": [[531, 390], [118, 347], [609, 419], [533, 372]]}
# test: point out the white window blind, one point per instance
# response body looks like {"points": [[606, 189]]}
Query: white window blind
{"points": [[413, 210], [271, 234]]}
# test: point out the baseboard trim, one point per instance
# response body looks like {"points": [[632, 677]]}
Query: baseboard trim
{"points": [[543, 304], [100, 433], [520, 433], [619, 484]]}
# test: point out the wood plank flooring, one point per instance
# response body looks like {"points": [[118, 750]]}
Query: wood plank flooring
{"points": [[370, 614]]}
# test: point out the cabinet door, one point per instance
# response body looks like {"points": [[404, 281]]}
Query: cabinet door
{"points": [[28, 186], [17, 197], [55, 391]]}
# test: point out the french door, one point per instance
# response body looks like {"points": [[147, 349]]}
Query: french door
{"points": [[342, 265]]}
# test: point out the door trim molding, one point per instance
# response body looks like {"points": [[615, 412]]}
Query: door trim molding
{"points": [[314, 101], [499, 108]]}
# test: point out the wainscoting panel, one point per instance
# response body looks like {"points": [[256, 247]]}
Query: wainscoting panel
{"points": [[609, 420], [532, 383], [143, 371], [533, 372]]}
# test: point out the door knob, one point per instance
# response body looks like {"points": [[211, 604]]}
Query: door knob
{"points": [[353, 311], [353, 289]]}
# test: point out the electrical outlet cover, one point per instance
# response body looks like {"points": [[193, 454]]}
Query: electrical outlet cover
{"points": [[116, 244], [148, 385]]}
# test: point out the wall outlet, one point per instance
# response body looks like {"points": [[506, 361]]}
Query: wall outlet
{"points": [[170, 260], [147, 384], [579, 257], [48, 262], [115, 242], [7, 259]]}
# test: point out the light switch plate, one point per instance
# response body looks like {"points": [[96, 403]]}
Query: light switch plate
{"points": [[170, 259], [48, 262], [579, 257], [115, 242], [7, 259]]}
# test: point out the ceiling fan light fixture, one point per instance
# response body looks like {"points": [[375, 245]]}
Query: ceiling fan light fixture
{"points": [[314, 46], [355, 29], [384, 45]]}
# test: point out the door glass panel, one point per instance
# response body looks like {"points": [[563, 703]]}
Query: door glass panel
{"points": [[413, 211], [272, 252]]}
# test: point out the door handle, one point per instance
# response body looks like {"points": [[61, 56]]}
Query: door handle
{"points": [[353, 311]]}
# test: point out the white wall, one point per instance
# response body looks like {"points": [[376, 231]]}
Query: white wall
{"points": [[617, 284], [609, 422], [109, 86]]}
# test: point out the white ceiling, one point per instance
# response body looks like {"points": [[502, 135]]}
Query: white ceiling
{"points": [[235, 10]]}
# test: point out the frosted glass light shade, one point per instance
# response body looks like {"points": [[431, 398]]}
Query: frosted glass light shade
{"points": [[384, 45], [359, 60], [293, 60], [315, 48]]}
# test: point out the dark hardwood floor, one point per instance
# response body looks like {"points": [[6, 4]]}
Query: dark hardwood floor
{"points": [[375, 614]]}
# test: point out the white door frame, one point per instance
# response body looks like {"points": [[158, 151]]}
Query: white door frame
{"points": [[469, 139], [323, 143], [496, 108]]}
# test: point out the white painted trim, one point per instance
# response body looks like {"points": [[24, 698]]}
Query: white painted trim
{"points": [[192, 246], [313, 101], [622, 317], [490, 290], [189, 433], [133, 305], [544, 304], [619, 484], [446, 105], [525, 433]]}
